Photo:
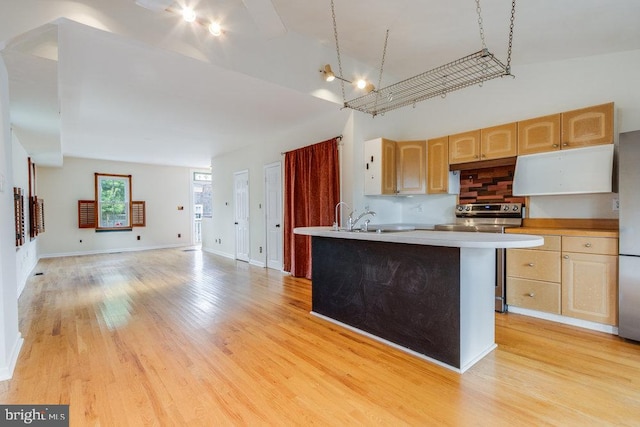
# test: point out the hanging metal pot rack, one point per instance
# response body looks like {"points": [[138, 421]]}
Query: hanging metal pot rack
{"points": [[467, 71]]}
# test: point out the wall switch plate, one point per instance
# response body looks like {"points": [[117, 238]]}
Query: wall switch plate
{"points": [[616, 204]]}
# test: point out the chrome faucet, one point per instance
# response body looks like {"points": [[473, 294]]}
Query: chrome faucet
{"points": [[352, 222], [336, 224]]}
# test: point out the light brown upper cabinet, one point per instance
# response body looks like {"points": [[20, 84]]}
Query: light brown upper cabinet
{"points": [[411, 162], [539, 134], [380, 167], [498, 142], [464, 147], [588, 126], [571, 129], [438, 165]]}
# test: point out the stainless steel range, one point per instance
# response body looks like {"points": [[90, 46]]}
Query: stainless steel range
{"points": [[489, 218]]}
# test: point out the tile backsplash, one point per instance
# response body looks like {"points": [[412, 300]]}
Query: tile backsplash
{"points": [[488, 185]]}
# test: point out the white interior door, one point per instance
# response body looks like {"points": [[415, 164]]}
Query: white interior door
{"points": [[241, 208], [273, 213]]}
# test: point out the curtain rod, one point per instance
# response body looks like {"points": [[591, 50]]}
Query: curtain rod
{"points": [[339, 138]]}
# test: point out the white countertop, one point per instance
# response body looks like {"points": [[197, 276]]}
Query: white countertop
{"points": [[456, 239]]}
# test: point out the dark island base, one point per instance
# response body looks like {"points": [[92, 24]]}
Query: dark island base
{"points": [[406, 294]]}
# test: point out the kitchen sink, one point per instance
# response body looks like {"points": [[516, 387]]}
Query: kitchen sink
{"points": [[385, 228]]}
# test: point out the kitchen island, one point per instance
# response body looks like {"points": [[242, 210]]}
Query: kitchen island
{"points": [[430, 293]]}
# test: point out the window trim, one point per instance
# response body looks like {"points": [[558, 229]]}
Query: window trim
{"points": [[98, 204]]}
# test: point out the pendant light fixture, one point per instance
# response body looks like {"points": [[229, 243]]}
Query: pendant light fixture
{"points": [[470, 70]]}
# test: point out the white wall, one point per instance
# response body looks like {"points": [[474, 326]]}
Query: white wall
{"points": [[10, 338], [27, 254], [163, 188], [537, 90]]}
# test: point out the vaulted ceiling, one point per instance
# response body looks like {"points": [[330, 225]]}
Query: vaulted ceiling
{"points": [[114, 80]]}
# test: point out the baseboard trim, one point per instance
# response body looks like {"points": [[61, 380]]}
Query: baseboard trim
{"points": [[220, 253], [112, 251], [7, 372], [594, 326]]}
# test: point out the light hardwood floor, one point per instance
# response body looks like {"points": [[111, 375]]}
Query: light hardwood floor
{"points": [[175, 337]]}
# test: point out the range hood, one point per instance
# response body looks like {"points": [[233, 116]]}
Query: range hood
{"points": [[572, 171]]}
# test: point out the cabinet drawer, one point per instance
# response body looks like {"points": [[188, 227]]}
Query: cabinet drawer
{"points": [[533, 294], [590, 245], [532, 264]]}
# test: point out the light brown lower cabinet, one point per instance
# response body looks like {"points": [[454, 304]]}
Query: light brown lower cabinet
{"points": [[575, 276]]}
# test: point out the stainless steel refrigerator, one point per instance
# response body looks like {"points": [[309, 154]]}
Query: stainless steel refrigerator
{"points": [[629, 260]]}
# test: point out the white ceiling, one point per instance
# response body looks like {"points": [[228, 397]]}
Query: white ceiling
{"points": [[113, 80]]}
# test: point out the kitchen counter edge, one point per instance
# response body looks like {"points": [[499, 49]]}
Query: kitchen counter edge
{"points": [[457, 239]]}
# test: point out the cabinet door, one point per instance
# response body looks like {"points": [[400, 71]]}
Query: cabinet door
{"points": [[464, 147], [438, 165], [411, 159], [498, 142], [388, 167], [588, 126], [380, 166], [590, 287], [539, 134]]}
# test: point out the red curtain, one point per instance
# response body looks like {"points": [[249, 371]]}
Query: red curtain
{"points": [[312, 181]]}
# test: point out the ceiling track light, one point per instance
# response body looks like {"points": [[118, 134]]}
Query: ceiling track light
{"points": [[191, 16], [188, 14], [328, 75]]}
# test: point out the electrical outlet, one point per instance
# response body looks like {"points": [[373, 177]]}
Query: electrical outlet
{"points": [[616, 204], [260, 249]]}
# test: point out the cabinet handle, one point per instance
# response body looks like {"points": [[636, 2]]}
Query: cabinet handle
{"points": [[371, 159], [484, 156], [566, 257], [531, 294], [367, 166], [530, 264], [587, 245], [565, 144], [555, 145]]}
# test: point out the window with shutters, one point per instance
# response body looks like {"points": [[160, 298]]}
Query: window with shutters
{"points": [[87, 214]]}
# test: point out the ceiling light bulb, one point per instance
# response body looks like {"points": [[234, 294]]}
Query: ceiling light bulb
{"points": [[328, 73], [215, 29], [361, 84], [188, 14]]}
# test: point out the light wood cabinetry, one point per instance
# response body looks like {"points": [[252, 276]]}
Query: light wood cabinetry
{"points": [[495, 142], [539, 134], [438, 165], [411, 167], [380, 167], [464, 147], [498, 142], [588, 126], [533, 276], [589, 279], [573, 275], [570, 129]]}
